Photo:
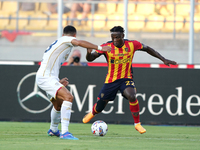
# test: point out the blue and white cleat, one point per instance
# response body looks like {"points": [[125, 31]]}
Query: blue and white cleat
{"points": [[51, 133], [68, 136]]}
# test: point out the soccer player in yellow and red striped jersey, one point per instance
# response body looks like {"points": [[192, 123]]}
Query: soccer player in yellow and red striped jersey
{"points": [[120, 77]]}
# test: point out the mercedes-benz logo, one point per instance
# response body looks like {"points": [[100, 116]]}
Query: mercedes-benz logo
{"points": [[36, 92]]}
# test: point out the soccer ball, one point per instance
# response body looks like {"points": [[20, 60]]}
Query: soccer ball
{"points": [[99, 128]]}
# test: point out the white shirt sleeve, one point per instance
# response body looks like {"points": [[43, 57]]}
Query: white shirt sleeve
{"points": [[68, 40]]}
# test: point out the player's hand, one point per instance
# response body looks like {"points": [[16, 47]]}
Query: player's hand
{"points": [[89, 50], [168, 62], [64, 81], [106, 48]]}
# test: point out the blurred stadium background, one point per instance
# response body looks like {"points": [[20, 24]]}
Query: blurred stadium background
{"points": [[26, 34]]}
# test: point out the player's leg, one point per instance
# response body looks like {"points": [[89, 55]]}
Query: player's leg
{"points": [[64, 95], [55, 119], [129, 92], [55, 112], [97, 108], [48, 84], [107, 93], [63, 100]]}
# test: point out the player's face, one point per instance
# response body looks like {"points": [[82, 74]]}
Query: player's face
{"points": [[117, 39]]}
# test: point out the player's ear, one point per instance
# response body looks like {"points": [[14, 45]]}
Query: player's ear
{"points": [[123, 35]]}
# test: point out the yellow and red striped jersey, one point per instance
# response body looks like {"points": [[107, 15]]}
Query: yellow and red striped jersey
{"points": [[120, 60]]}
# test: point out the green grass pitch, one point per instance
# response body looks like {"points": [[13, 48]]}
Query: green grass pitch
{"points": [[33, 136]]}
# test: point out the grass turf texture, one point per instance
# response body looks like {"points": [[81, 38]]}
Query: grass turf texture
{"points": [[33, 136]]}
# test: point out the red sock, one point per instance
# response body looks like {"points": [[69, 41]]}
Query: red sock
{"points": [[134, 108], [94, 112]]}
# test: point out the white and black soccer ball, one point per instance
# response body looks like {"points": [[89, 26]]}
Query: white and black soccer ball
{"points": [[99, 128]]}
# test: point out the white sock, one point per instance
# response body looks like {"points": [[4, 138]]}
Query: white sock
{"points": [[65, 115], [136, 123], [55, 119]]}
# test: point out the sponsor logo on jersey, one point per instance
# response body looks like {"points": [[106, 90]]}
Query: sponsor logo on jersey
{"points": [[126, 49], [120, 61]]}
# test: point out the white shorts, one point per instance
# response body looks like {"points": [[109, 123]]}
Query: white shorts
{"points": [[50, 85]]}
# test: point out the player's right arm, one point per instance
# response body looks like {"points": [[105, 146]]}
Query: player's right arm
{"points": [[89, 45], [91, 56]]}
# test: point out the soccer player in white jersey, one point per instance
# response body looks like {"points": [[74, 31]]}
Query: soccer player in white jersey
{"points": [[47, 79]]}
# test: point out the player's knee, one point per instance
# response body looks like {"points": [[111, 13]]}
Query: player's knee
{"points": [[70, 98], [132, 98]]}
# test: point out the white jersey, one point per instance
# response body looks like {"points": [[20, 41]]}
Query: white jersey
{"points": [[54, 56]]}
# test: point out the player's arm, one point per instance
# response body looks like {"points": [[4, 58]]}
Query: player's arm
{"points": [[154, 53], [91, 56], [89, 45]]}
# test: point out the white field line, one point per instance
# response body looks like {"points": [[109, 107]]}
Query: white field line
{"points": [[107, 137]]}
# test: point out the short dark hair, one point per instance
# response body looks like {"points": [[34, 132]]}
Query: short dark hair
{"points": [[117, 29], [69, 30]]}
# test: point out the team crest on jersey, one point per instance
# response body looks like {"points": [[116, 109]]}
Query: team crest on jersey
{"points": [[126, 49], [66, 56], [102, 95]]}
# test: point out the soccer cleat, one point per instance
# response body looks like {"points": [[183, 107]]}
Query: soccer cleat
{"points": [[139, 128], [88, 117], [67, 135], [51, 133]]}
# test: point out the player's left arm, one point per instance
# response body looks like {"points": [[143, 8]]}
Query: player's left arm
{"points": [[154, 53]]}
